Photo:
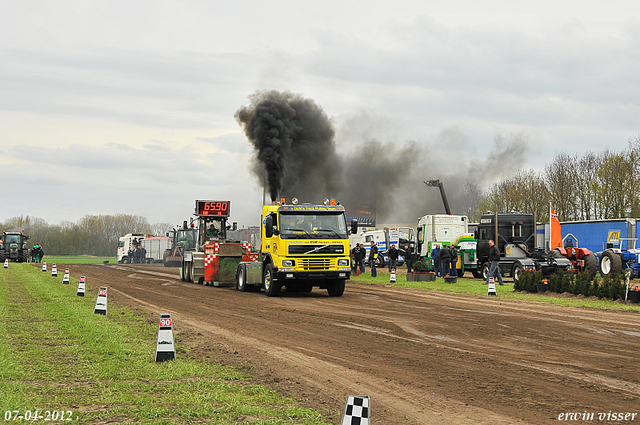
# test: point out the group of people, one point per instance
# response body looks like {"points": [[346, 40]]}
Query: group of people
{"points": [[137, 255], [37, 252], [359, 253], [445, 260]]}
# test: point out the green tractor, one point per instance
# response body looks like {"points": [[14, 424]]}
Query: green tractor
{"points": [[14, 247]]}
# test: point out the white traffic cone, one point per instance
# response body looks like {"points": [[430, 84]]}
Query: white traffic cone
{"points": [[392, 276], [44, 266], [65, 278], [357, 410], [54, 270], [80, 291], [492, 287], [101, 302], [165, 349]]}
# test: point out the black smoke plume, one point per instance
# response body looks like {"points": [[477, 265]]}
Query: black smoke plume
{"points": [[294, 143], [295, 148]]}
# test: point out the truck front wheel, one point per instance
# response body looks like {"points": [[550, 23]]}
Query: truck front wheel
{"points": [[485, 270], [336, 288], [271, 288]]}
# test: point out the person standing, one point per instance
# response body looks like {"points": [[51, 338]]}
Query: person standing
{"points": [[407, 257], [393, 257], [143, 254], [130, 255], [435, 255], [358, 257], [494, 257], [445, 259], [454, 261], [373, 257]]}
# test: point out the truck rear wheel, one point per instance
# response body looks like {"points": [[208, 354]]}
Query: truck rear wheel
{"points": [[241, 280], [336, 288], [271, 288], [610, 262], [517, 271]]}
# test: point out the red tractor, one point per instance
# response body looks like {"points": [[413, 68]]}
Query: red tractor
{"points": [[581, 258]]}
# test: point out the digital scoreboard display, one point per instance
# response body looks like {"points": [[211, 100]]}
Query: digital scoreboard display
{"points": [[216, 208]]}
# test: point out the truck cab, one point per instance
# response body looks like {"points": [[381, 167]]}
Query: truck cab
{"points": [[303, 246]]}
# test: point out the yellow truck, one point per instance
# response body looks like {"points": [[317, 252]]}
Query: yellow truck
{"points": [[302, 246]]}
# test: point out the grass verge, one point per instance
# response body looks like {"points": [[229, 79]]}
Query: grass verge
{"points": [[476, 287], [56, 355], [78, 259]]}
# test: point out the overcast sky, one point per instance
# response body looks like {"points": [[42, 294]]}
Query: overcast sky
{"points": [[127, 107]]}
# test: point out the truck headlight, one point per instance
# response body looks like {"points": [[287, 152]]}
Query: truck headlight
{"points": [[343, 262], [288, 263]]}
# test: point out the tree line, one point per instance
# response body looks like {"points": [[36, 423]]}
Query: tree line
{"points": [[592, 186], [91, 235]]}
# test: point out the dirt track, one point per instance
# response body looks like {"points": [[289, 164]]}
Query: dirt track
{"points": [[423, 357]]}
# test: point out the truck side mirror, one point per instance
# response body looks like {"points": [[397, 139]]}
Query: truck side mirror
{"points": [[268, 226], [354, 226]]}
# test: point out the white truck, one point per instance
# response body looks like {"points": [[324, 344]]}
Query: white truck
{"points": [[384, 238], [155, 247], [128, 242], [437, 229]]}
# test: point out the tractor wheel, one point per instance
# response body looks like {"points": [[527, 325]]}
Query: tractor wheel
{"points": [[557, 254], [271, 288], [379, 261], [336, 288], [590, 265], [632, 274], [610, 263]]}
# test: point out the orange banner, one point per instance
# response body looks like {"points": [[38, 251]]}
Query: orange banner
{"points": [[555, 237]]}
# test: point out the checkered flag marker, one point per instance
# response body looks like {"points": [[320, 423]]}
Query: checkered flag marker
{"points": [[357, 410]]}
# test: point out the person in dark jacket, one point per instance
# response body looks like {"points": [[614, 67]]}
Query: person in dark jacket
{"points": [[494, 257], [393, 257], [407, 257], [437, 264], [130, 255], [454, 261], [358, 257], [445, 259], [373, 257]]}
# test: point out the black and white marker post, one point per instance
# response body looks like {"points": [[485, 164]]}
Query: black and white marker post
{"points": [[491, 290], [6, 263], [165, 350], [65, 277], [44, 266], [101, 302], [80, 291], [54, 270]]}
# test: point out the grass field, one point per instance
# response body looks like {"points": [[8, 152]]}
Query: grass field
{"points": [[78, 259], [475, 287], [57, 356]]}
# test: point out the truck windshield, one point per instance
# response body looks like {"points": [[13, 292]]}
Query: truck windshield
{"points": [[313, 226]]}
